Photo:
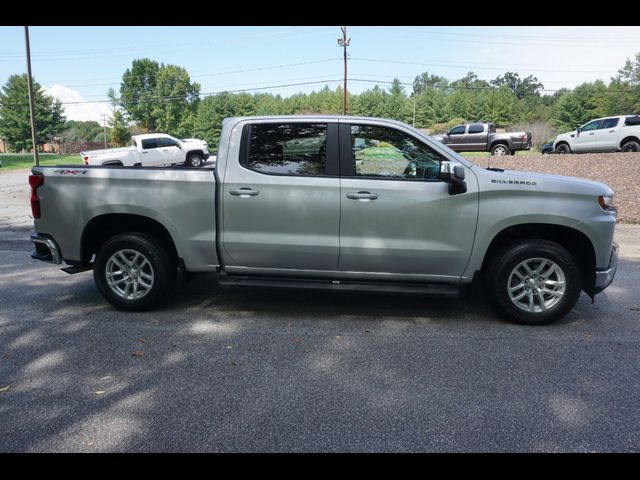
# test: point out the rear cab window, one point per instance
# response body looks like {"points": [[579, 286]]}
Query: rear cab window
{"points": [[287, 149], [149, 143]]}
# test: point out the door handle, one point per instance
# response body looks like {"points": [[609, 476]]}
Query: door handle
{"points": [[244, 192], [591, 133], [144, 153], [362, 195], [165, 150], [612, 131]]}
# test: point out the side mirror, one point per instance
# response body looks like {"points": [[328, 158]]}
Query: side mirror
{"points": [[454, 175], [578, 130], [178, 145]]}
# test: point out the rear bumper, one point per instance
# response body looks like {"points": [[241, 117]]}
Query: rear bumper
{"points": [[46, 249], [604, 277]]}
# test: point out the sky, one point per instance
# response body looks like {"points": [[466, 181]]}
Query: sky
{"points": [[80, 63]]}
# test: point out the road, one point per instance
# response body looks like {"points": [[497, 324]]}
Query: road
{"points": [[261, 370]]}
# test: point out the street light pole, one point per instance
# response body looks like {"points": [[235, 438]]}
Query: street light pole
{"points": [[34, 137], [344, 43]]}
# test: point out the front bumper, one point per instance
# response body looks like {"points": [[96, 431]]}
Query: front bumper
{"points": [[206, 156], [46, 249], [604, 277]]}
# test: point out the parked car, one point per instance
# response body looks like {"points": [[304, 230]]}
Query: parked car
{"points": [[547, 148], [482, 137], [334, 202], [608, 134], [151, 150]]}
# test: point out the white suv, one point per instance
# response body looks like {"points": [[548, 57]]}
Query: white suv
{"points": [[608, 134]]}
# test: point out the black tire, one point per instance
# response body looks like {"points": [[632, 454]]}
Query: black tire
{"points": [[503, 264], [500, 149], [563, 148], [194, 160], [163, 270], [631, 146]]}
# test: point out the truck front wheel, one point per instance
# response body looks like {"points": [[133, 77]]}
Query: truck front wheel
{"points": [[500, 149], [534, 282], [563, 148], [133, 272]]}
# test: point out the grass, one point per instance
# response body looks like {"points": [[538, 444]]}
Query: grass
{"points": [[25, 161]]}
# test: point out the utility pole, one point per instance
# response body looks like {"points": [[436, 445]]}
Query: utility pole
{"points": [[104, 128], [34, 137], [414, 112], [344, 43]]}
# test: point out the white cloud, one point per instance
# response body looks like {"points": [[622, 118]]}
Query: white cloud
{"points": [[78, 111]]}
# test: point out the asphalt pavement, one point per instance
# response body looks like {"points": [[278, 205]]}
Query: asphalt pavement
{"points": [[264, 370]]}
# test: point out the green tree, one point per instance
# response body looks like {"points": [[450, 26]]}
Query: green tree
{"points": [[81, 131], [425, 81], [624, 97], [118, 129], [138, 90], [15, 123], [211, 111], [175, 101], [585, 102], [522, 88]]}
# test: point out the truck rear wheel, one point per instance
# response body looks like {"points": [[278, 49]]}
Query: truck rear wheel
{"points": [[133, 272], [534, 282], [500, 149]]}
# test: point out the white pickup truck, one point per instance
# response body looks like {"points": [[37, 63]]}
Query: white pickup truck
{"points": [[151, 150], [609, 134]]}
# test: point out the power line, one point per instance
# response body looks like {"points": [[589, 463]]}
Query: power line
{"points": [[408, 62], [229, 72], [561, 43]]}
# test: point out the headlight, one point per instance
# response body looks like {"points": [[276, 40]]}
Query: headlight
{"points": [[606, 202]]}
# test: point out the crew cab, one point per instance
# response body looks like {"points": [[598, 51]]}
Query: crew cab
{"points": [[608, 134], [482, 137], [151, 150], [335, 202]]}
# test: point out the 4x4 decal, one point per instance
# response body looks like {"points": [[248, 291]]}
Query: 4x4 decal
{"points": [[71, 172]]}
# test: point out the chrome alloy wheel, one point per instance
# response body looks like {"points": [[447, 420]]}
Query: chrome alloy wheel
{"points": [[500, 151], [129, 274], [536, 285]]}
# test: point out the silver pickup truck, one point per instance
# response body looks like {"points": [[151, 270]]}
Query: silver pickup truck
{"points": [[347, 203]]}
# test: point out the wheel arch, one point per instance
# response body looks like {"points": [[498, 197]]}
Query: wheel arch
{"points": [[499, 142], [575, 241], [102, 227], [628, 138], [191, 152]]}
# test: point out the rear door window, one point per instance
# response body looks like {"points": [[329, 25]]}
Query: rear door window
{"points": [[287, 149], [149, 143], [476, 128], [610, 122]]}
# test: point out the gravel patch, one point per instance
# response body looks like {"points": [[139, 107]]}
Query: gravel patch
{"points": [[620, 171]]}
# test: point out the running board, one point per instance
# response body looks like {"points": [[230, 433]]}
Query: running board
{"points": [[77, 268], [343, 286]]}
